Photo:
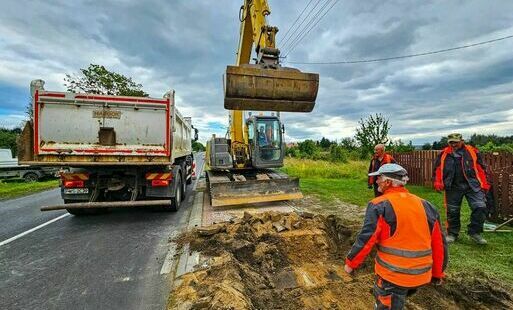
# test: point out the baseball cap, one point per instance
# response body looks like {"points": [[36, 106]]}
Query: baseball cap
{"points": [[454, 137], [391, 170]]}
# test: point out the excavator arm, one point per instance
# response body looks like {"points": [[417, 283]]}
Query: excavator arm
{"points": [[266, 85], [240, 168]]}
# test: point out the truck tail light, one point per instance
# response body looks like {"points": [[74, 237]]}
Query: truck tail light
{"points": [[73, 184], [159, 183]]}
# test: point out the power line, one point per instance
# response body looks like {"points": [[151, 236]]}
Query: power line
{"points": [[308, 25], [301, 23], [294, 23], [402, 56], [293, 45]]}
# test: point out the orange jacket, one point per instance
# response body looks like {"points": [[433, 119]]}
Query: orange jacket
{"points": [[472, 166], [376, 163], [411, 247]]}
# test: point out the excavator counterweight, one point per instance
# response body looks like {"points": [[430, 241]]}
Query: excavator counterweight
{"points": [[251, 87]]}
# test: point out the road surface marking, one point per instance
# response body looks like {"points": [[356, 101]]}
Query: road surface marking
{"points": [[33, 229]]}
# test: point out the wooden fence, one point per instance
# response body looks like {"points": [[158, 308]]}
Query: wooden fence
{"points": [[420, 166]]}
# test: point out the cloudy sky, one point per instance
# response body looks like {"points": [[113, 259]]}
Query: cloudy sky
{"points": [[186, 44]]}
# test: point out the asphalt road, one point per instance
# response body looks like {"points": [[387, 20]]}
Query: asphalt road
{"points": [[110, 261]]}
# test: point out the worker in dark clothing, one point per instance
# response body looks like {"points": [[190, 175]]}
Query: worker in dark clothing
{"points": [[380, 158], [411, 250], [460, 171]]}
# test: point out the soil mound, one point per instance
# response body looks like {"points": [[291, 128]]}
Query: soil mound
{"points": [[295, 261]]}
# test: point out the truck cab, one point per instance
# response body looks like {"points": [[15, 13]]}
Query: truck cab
{"points": [[265, 136]]}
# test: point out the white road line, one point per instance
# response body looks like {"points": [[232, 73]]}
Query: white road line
{"points": [[32, 229]]}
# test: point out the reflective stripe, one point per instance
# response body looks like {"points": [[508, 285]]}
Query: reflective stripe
{"points": [[404, 253], [414, 271]]}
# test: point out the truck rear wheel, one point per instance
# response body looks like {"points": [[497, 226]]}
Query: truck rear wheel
{"points": [[177, 200]]}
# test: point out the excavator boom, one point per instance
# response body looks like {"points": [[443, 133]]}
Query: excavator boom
{"points": [[240, 166], [266, 85]]}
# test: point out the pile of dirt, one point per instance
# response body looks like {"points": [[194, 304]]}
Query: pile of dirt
{"points": [[294, 261]]}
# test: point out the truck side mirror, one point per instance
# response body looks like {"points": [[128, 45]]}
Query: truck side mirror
{"points": [[195, 134], [282, 129]]}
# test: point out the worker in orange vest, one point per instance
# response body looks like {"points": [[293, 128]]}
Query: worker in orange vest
{"points": [[406, 230], [380, 158], [460, 172]]}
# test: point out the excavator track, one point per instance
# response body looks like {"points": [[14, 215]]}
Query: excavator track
{"points": [[251, 186]]}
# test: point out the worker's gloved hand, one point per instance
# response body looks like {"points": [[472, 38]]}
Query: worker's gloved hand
{"points": [[370, 186], [436, 281], [438, 186], [348, 269]]}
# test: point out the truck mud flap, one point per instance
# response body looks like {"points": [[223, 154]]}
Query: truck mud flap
{"points": [[226, 192], [250, 87]]}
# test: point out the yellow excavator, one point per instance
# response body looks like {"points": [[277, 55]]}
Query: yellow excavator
{"points": [[239, 165]]}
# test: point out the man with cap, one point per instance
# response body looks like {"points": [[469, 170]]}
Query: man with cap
{"points": [[380, 158], [460, 172], [406, 230]]}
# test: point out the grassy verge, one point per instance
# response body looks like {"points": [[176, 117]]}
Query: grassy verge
{"points": [[15, 188], [347, 182]]}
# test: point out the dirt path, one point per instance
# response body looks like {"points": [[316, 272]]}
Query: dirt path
{"points": [[295, 261]]}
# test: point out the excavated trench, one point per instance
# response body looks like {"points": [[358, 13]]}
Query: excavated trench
{"points": [[295, 261]]}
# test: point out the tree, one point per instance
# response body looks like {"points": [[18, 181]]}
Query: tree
{"points": [[426, 146], [325, 143], [338, 153], [371, 131], [440, 145], [400, 147], [308, 148], [96, 79], [348, 144], [197, 146], [8, 139]]}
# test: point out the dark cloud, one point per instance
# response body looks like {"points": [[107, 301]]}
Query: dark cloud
{"points": [[186, 45]]}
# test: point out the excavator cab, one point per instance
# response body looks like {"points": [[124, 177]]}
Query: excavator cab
{"points": [[265, 138]]}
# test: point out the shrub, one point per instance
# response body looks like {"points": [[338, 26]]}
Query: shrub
{"points": [[338, 154]]}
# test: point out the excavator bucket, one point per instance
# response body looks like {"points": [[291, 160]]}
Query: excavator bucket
{"points": [[265, 187], [250, 87]]}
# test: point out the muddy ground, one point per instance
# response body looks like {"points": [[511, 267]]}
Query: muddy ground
{"points": [[295, 261]]}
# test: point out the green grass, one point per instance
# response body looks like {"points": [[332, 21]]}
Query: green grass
{"points": [[347, 182], [16, 188], [306, 168]]}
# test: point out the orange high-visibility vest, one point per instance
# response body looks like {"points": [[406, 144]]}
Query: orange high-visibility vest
{"points": [[480, 173], [405, 258], [387, 159]]}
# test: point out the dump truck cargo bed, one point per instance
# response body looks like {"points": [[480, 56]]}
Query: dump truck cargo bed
{"points": [[88, 129]]}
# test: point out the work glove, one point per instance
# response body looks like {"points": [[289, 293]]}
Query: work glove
{"points": [[438, 186], [436, 281], [370, 186], [348, 269]]}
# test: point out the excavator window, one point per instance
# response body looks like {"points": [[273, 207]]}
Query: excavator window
{"points": [[269, 138]]}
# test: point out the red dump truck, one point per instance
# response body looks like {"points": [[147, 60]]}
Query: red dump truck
{"points": [[114, 151]]}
